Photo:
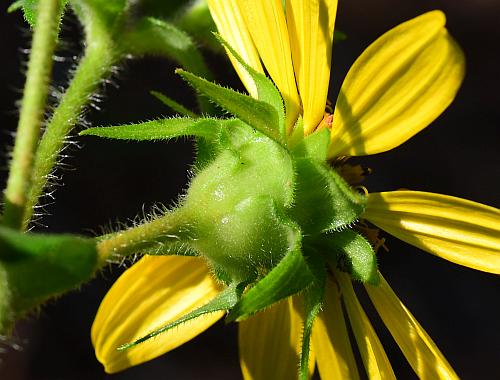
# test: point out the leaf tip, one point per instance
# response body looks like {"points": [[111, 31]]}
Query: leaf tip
{"points": [[125, 346], [85, 132]]}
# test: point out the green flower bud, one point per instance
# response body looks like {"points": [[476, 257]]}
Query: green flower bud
{"points": [[246, 205], [238, 203]]}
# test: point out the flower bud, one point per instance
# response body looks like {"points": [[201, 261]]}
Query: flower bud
{"points": [[248, 203], [237, 204]]}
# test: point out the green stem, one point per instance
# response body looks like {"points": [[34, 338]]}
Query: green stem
{"points": [[32, 110], [95, 65], [170, 228]]}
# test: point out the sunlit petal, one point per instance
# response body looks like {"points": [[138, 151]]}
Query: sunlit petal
{"points": [[331, 341], [458, 230], [270, 343], [265, 19], [418, 348], [376, 363], [227, 16], [154, 291], [397, 87], [310, 26]]}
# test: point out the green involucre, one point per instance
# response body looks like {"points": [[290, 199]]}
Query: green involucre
{"points": [[253, 200]]}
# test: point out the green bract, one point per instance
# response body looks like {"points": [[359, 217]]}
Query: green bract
{"points": [[30, 9]]}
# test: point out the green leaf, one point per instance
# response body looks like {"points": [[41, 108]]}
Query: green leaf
{"points": [[172, 104], [313, 297], [158, 37], [256, 113], [288, 277], [163, 129], [297, 133], [323, 200], [154, 36], [16, 5], [266, 90], [29, 8], [314, 146], [42, 265], [352, 253], [225, 300], [197, 21]]}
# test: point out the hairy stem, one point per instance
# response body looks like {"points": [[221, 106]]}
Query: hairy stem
{"points": [[95, 65], [32, 110], [172, 227]]}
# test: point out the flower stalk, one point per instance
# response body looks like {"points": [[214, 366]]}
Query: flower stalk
{"points": [[154, 237], [33, 104], [95, 65]]}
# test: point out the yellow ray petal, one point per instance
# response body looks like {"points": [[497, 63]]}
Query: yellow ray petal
{"points": [[154, 291], [458, 230], [310, 27], [418, 348], [232, 28], [265, 19], [397, 87], [270, 343], [374, 358], [331, 341]]}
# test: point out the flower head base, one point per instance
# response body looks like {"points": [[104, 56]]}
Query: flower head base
{"points": [[255, 201], [274, 219]]}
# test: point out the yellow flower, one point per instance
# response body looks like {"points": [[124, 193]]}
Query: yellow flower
{"points": [[397, 87]]}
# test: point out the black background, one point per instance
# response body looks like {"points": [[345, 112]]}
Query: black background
{"points": [[110, 181]]}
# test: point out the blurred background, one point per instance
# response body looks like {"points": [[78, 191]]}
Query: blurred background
{"points": [[109, 181]]}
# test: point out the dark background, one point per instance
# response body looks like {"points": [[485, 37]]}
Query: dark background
{"points": [[110, 181]]}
